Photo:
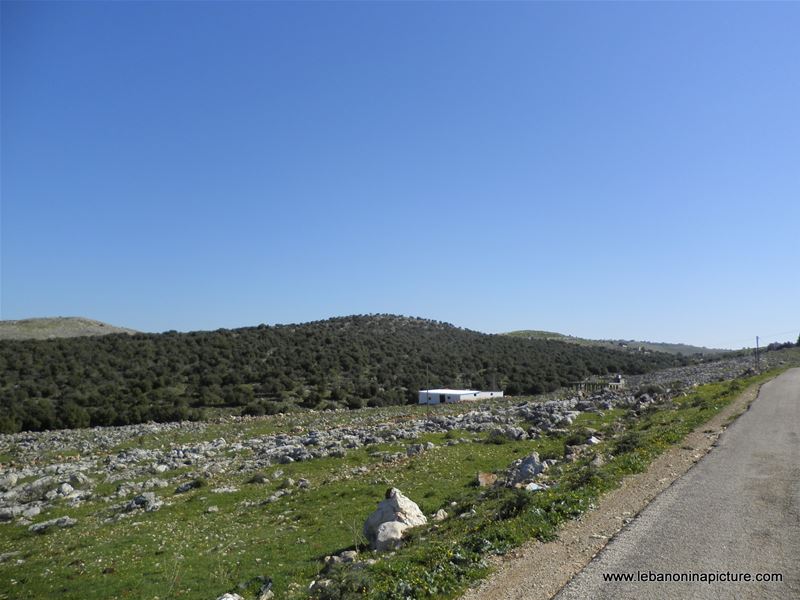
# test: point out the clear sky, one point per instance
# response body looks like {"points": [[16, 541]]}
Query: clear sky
{"points": [[615, 170]]}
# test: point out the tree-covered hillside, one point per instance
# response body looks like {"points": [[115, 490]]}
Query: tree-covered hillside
{"points": [[341, 362], [627, 345]]}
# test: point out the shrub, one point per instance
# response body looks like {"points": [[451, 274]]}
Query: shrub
{"points": [[577, 437], [628, 442], [497, 437]]}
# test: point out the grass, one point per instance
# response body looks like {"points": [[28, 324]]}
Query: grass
{"points": [[50, 327], [182, 551]]}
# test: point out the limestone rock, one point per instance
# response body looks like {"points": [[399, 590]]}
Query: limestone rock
{"points": [[525, 469], [395, 508], [508, 432], [8, 482], [146, 501], [45, 525], [389, 535]]}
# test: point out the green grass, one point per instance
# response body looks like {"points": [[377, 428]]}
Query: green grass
{"points": [[181, 551]]}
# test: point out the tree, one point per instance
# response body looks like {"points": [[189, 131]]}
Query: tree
{"points": [[72, 416]]}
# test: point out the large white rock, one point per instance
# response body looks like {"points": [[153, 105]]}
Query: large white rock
{"points": [[389, 535], [395, 508]]}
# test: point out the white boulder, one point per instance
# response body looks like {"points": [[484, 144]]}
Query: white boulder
{"points": [[384, 528], [389, 535]]}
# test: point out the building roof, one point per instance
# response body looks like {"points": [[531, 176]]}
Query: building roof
{"points": [[447, 391]]}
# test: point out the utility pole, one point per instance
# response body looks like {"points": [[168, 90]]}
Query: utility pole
{"points": [[427, 391], [758, 357]]}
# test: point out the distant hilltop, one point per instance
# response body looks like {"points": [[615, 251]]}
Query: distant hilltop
{"points": [[630, 345], [56, 327]]}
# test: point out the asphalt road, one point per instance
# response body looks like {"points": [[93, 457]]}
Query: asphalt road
{"points": [[737, 511]]}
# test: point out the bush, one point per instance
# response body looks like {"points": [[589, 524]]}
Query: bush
{"points": [[254, 409], [578, 437], [497, 437], [518, 502], [258, 478], [628, 442]]}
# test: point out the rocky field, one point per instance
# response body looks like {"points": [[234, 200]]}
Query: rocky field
{"points": [[282, 505]]}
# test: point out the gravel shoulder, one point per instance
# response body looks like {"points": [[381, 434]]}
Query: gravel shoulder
{"points": [[539, 570]]}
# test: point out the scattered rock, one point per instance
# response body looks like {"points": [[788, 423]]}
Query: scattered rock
{"points": [[189, 485], [486, 479], [8, 556], [8, 482], [414, 449], [79, 479], [440, 515], [525, 469], [9, 513], [31, 512], [147, 502], [507, 432], [60, 522], [395, 508]]}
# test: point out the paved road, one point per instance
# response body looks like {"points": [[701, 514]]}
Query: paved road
{"points": [[737, 511]]}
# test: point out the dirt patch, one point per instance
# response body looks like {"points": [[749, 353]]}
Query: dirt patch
{"points": [[537, 570]]}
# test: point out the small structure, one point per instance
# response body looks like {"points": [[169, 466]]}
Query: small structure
{"points": [[447, 395], [617, 382]]}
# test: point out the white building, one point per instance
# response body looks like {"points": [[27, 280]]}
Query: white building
{"points": [[446, 395]]}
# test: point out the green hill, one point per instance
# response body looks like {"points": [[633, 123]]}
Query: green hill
{"points": [[624, 345], [344, 362], [55, 327]]}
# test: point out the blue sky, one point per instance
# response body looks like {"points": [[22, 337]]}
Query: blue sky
{"points": [[605, 170]]}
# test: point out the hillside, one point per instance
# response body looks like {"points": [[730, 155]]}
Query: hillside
{"points": [[56, 327], [625, 345], [345, 362], [194, 510]]}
